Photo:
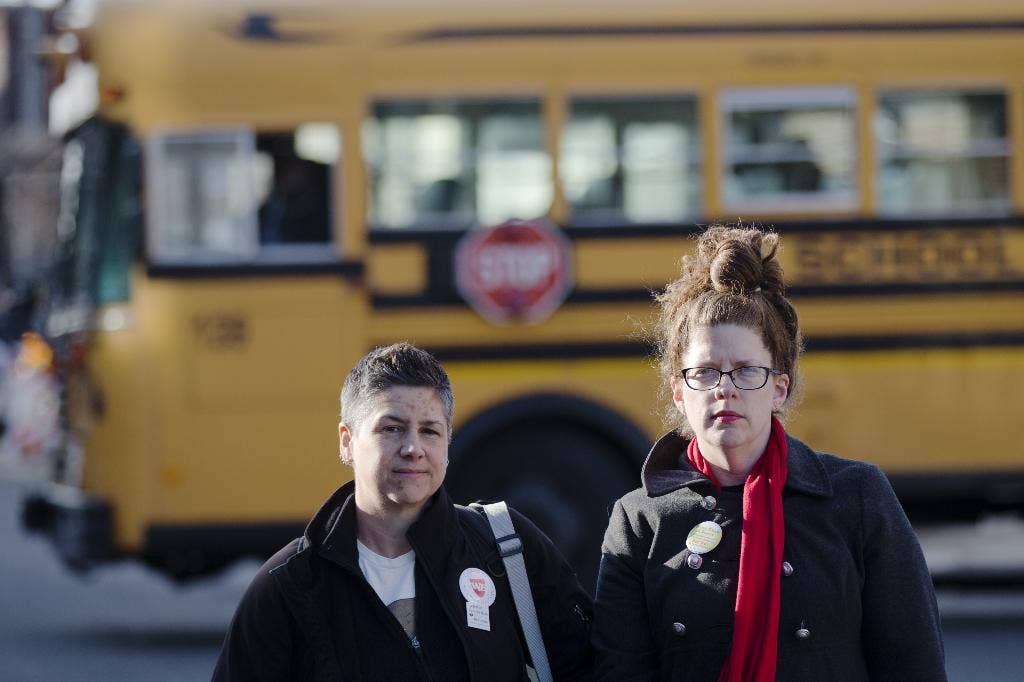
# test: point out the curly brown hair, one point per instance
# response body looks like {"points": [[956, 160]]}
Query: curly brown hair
{"points": [[733, 278]]}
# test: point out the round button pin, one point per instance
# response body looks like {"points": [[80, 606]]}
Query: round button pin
{"points": [[704, 537], [477, 587]]}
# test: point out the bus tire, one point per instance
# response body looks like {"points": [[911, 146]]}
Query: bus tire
{"points": [[564, 475]]}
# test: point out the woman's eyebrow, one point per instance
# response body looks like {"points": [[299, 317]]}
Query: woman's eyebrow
{"points": [[403, 421], [717, 365]]}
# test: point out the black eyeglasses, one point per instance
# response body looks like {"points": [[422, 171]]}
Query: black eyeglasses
{"points": [[746, 378]]}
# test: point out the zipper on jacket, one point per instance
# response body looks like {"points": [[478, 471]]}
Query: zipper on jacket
{"points": [[418, 648], [393, 623], [451, 617]]}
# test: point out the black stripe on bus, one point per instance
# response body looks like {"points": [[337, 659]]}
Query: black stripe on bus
{"points": [[630, 349], [542, 351], [349, 269], [655, 30], [898, 288], [217, 542], [448, 238], [914, 341], [846, 225], [448, 296]]}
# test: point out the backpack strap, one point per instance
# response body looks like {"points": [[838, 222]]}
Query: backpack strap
{"points": [[510, 546]]}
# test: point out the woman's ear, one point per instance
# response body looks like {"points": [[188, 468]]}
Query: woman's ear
{"points": [[344, 444], [676, 383], [780, 391]]}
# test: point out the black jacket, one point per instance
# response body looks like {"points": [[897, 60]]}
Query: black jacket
{"points": [[310, 615], [858, 604]]}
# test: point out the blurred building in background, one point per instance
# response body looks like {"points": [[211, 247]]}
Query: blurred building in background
{"points": [[46, 88], [29, 162]]}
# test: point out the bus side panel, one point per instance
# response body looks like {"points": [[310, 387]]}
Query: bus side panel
{"points": [[921, 410], [224, 415]]}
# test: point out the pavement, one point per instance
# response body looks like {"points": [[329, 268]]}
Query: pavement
{"points": [[990, 551]]}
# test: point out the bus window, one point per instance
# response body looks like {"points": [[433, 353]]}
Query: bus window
{"points": [[789, 150], [455, 164], [238, 196], [296, 205], [942, 152], [636, 160]]}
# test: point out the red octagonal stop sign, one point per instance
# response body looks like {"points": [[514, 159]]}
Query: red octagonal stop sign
{"points": [[519, 271]]}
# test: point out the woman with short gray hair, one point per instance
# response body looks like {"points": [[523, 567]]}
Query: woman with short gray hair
{"points": [[391, 580]]}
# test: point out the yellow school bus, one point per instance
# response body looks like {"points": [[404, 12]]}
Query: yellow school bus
{"points": [[266, 194]]}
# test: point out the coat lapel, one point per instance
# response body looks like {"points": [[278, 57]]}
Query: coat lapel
{"points": [[666, 469]]}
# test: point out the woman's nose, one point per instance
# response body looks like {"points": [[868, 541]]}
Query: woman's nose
{"points": [[721, 385]]}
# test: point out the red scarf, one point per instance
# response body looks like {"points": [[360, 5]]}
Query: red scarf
{"points": [[756, 616]]}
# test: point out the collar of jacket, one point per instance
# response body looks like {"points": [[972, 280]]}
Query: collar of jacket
{"points": [[667, 469], [332, 532]]}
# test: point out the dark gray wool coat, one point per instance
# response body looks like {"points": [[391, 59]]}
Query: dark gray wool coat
{"points": [[857, 604]]}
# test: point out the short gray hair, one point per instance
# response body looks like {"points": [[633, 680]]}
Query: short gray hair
{"points": [[400, 364]]}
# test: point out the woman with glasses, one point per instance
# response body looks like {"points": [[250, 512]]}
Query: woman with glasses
{"points": [[746, 555]]}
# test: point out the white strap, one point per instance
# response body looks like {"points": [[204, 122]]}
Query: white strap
{"points": [[511, 548]]}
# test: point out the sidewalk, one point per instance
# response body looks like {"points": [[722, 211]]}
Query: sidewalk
{"points": [[991, 550]]}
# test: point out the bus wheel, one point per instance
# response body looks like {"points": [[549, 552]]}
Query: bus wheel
{"points": [[563, 477]]}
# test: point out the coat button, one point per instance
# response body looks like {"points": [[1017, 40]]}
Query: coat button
{"points": [[803, 633], [709, 503], [694, 561], [679, 629], [787, 569]]}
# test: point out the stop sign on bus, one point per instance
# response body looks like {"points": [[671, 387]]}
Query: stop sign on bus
{"points": [[519, 271]]}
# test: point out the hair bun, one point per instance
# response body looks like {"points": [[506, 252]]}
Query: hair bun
{"points": [[741, 261]]}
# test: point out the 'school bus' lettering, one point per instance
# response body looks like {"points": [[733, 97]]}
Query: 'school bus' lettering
{"points": [[900, 257]]}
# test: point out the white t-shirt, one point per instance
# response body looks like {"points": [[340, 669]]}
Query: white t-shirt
{"points": [[394, 581]]}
